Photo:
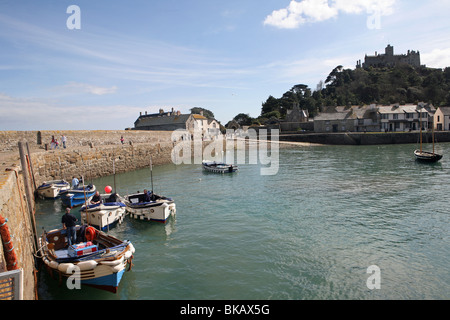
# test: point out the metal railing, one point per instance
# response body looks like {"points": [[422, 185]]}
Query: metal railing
{"points": [[11, 285]]}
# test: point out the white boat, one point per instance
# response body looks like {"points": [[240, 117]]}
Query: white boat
{"points": [[159, 208], [218, 167], [106, 214], [52, 189], [101, 259]]}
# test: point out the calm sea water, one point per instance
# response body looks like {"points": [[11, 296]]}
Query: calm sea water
{"points": [[309, 232]]}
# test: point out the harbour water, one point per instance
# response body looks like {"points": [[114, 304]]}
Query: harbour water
{"points": [[309, 232]]}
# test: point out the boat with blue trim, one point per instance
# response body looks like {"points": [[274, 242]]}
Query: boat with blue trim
{"points": [[52, 189], [152, 207], [97, 259], [78, 196], [106, 214]]}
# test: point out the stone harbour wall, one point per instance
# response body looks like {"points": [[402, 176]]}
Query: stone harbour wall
{"points": [[88, 153]]}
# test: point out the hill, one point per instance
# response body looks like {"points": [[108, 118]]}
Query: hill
{"points": [[400, 84]]}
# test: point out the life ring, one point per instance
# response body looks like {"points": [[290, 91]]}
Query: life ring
{"points": [[90, 233]]}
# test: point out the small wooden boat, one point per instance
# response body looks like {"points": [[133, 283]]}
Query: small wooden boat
{"points": [[218, 167], [52, 189], [159, 208], [106, 214], [426, 156], [100, 259], [78, 196]]}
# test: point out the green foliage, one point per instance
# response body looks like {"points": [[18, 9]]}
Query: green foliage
{"points": [[344, 87], [206, 113]]}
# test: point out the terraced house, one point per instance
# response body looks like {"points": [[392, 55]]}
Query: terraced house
{"points": [[374, 118]]}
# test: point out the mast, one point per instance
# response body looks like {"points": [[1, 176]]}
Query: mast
{"points": [[151, 172], [420, 125]]}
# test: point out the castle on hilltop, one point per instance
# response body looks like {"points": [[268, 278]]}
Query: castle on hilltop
{"points": [[389, 59]]}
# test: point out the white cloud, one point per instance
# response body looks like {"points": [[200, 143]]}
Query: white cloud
{"points": [[75, 88], [301, 12], [438, 58]]}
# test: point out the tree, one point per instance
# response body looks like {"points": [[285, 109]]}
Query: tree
{"points": [[243, 119], [206, 113]]}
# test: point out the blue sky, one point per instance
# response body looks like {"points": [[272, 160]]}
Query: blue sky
{"points": [[225, 56]]}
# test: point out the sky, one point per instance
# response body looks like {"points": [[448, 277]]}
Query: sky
{"points": [[97, 65]]}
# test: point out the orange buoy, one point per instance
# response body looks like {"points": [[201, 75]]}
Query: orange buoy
{"points": [[90, 233], [8, 248]]}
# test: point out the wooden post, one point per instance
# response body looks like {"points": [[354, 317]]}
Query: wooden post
{"points": [[28, 190]]}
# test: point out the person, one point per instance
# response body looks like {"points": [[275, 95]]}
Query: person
{"points": [[75, 182], [96, 199], [53, 143], [121, 139], [147, 197], [63, 139], [68, 221], [56, 144]]}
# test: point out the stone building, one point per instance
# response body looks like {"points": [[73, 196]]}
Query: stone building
{"points": [[296, 119], [373, 118], [389, 59], [175, 120]]}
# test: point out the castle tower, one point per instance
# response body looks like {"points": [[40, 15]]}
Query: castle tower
{"points": [[389, 50]]}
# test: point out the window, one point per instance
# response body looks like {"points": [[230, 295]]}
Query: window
{"points": [[395, 116]]}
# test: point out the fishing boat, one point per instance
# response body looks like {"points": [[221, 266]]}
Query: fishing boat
{"points": [[157, 208], [51, 189], [218, 167], [77, 196], [426, 156], [106, 214], [100, 259]]}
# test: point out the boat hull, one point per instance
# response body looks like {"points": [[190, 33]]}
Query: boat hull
{"points": [[218, 167], [103, 216], [52, 189], [102, 269], [159, 213], [424, 156], [77, 197]]}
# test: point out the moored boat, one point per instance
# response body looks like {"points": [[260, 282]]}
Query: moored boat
{"points": [[106, 214], [78, 196], [100, 259], [156, 208], [218, 167], [425, 156], [52, 189]]}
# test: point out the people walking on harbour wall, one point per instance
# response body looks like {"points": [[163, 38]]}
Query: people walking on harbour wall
{"points": [[64, 140], [68, 221], [53, 143]]}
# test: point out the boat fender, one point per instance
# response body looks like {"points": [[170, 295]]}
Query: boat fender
{"points": [[90, 233], [46, 261], [87, 265], [113, 262], [63, 267], [131, 247], [127, 255], [117, 268], [53, 264]]}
